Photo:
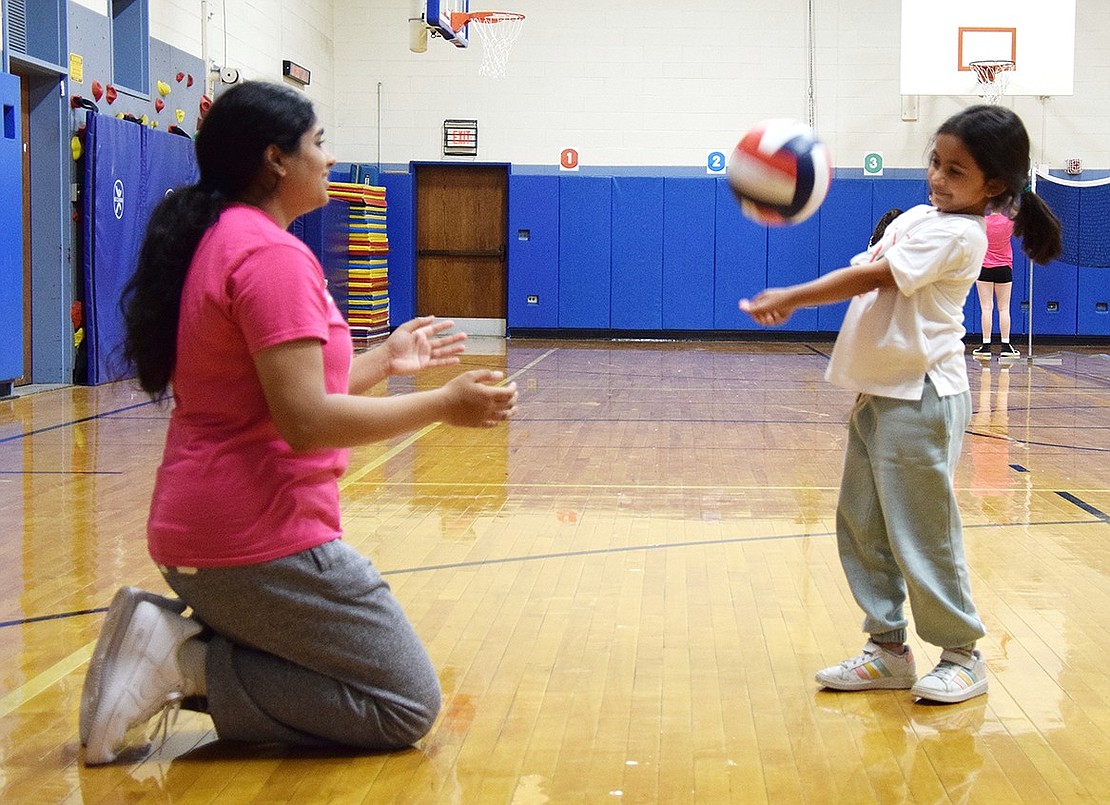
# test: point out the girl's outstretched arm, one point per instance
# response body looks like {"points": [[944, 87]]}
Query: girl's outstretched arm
{"points": [[775, 306]]}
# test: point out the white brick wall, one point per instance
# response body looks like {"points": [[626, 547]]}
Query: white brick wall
{"points": [[255, 37], [177, 23], [627, 83]]}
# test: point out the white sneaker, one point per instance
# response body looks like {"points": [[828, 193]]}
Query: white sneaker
{"points": [[140, 675], [959, 676], [874, 669], [120, 610]]}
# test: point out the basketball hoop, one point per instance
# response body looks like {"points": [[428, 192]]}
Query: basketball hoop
{"points": [[993, 77], [497, 30]]}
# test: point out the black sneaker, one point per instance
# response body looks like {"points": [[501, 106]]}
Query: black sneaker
{"points": [[982, 352], [1007, 352]]}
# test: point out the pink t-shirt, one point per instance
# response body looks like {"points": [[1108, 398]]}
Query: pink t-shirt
{"points": [[230, 491], [999, 251]]}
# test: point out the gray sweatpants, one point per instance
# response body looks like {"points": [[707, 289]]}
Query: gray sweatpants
{"points": [[897, 523], [311, 649]]}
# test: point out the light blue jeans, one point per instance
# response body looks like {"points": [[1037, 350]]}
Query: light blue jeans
{"points": [[897, 522]]}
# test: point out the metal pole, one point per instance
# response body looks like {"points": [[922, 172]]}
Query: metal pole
{"points": [[1029, 320]]}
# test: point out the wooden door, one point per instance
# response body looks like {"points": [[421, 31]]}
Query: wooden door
{"points": [[461, 241]]}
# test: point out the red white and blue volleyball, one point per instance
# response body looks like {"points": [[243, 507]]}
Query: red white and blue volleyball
{"points": [[780, 172]]}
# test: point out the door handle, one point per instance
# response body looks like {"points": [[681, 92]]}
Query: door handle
{"points": [[499, 253]]}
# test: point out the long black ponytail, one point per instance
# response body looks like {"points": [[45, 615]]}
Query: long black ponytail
{"points": [[152, 297], [231, 145], [999, 144], [1038, 228]]}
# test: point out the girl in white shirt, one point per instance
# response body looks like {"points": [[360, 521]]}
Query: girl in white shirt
{"points": [[901, 348]]}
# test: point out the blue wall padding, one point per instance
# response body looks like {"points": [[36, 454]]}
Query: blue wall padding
{"points": [[689, 206], [1094, 301], [1064, 201], [336, 262], [400, 231], [846, 225], [355, 172], [534, 251], [1094, 226], [896, 193], [972, 318], [11, 224], [585, 248], [1055, 286], [325, 232], [636, 262], [792, 257], [1019, 294], [616, 252], [740, 250]]}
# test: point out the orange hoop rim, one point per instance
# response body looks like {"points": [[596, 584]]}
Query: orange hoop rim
{"points": [[484, 18], [986, 70]]}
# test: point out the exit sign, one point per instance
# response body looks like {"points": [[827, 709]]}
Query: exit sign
{"points": [[294, 72], [460, 138]]}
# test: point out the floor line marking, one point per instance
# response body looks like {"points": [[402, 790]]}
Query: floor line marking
{"points": [[55, 673], [47, 679], [1085, 506], [407, 442], [687, 544], [72, 422], [59, 670]]}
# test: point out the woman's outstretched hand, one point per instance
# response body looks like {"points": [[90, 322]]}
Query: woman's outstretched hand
{"points": [[475, 401], [417, 345]]}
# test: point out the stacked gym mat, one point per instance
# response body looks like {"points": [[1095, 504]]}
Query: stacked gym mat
{"points": [[367, 258]]}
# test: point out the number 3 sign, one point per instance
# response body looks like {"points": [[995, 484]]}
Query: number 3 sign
{"points": [[873, 164]]}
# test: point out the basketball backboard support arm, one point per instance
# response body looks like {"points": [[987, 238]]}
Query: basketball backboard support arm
{"points": [[437, 16]]}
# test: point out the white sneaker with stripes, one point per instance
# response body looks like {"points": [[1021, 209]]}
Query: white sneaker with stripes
{"points": [[959, 676], [874, 669]]}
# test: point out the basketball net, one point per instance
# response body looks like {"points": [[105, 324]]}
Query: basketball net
{"points": [[993, 78], [496, 30]]}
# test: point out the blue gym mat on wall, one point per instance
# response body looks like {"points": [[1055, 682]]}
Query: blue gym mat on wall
{"points": [[11, 220], [129, 168]]}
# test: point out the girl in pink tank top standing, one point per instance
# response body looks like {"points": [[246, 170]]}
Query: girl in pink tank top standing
{"points": [[995, 283]]}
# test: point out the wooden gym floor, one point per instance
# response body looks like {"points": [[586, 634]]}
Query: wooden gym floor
{"points": [[626, 591]]}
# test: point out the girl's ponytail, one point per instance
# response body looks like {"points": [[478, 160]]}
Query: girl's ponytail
{"points": [[1038, 228], [999, 144], [152, 297]]}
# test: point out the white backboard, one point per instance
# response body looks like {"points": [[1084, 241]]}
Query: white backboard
{"points": [[941, 37]]}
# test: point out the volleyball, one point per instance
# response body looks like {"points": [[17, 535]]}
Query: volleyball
{"points": [[780, 172]]}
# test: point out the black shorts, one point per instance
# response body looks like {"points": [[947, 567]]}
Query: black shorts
{"points": [[997, 274]]}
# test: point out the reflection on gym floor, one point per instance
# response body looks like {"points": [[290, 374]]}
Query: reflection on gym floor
{"points": [[626, 591]]}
